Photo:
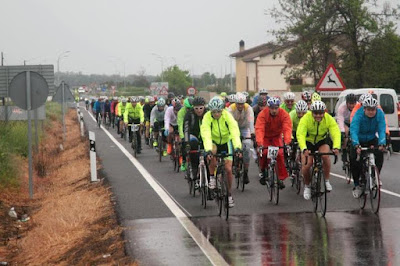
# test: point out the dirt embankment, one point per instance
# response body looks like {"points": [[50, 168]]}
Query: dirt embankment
{"points": [[72, 221]]}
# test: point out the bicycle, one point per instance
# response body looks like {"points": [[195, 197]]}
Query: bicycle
{"points": [[203, 180], [161, 144], [294, 166], [222, 192], [271, 172], [238, 169], [99, 119], [107, 121], [318, 187], [134, 129], [175, 155], [369, 179], [190, 175], [346, 164]]}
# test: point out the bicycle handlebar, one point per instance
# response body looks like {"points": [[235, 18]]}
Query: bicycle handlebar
{"points": [[367, 149]]}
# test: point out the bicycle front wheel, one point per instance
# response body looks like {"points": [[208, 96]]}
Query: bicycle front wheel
{"points": [[203, 186], [322, 195], [275, 187], [348, 173], [225, 194], [160, 147], [375, 190]]}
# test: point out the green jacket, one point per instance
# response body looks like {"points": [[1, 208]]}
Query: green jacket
{"points": [[284, 107], [312, 131], [220, 131], [121, 108], [133, 112], [295, 119], [179, 119]]}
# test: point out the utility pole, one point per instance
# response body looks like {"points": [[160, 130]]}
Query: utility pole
{"points": [[2, 59]]}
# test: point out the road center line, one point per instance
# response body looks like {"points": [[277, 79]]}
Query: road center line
{"points": [[383, 190], [205, 245]]}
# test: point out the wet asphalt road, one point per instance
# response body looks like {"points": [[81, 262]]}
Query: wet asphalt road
{"points": [[257, 232]]}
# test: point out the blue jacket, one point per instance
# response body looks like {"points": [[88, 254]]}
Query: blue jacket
{"points": [[96, 107], [364, 129]]}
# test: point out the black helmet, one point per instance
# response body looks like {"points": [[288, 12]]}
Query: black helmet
{"points": [[198, 101], [351, 98], [171, 95]]}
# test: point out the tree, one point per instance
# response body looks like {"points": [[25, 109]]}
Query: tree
{"points": [[141, 80], [178, 80]]}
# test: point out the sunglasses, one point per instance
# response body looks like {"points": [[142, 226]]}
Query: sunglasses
{"points": [[318, 112], [216, 111], [200, 108]]}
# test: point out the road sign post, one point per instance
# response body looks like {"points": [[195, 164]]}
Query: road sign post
{"points": [[92, 147]]}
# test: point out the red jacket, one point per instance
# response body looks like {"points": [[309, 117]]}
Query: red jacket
{"points": [[268, 127]]}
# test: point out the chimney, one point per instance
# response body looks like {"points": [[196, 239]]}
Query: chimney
{"points": [[241, 46]]}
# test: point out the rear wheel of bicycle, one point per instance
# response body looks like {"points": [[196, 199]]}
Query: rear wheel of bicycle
{"points": [[375, 190], [323, 195]]}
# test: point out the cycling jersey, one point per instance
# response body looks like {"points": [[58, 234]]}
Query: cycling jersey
{"points": [[343, 116], [312, 131], [363, 129], [96, 107], [220, 131], [295, 119], [133, 113], [106, 108], [113, 105], [146, 111], [244, 118], [121, 109], [180, 119], [284, 107], [170, 117], [156, 115], [359, 106], [191, 125]]}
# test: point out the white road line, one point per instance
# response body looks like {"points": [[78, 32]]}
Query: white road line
{"points": [[396, 152], [205, 245], [383, 190]]}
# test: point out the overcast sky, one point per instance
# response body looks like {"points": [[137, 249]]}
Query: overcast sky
{"points": [[104, 36]]}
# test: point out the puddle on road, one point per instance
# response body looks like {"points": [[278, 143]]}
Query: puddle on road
{"points": [[342, 238]]}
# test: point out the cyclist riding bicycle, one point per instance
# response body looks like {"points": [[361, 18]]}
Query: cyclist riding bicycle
{"points": [[261, 103], [106, 110], [97, 109], [288, 104], [301, 109], [368, 122], [244, 115], [170, 97], [306, 96], [191, 128], [157, 121], [170, 122], [343, 120], [134, 115], [148, 106], [120, 110], [220, 133], [272, 123], [112, 107], [187, 103], [312, 135], [261, 93]]}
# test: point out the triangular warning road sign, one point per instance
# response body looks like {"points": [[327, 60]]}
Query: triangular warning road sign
{"points": [[330, 81]]}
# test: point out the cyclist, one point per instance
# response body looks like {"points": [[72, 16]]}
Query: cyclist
{"points": [[120, 110], [134, 115], [148, 106], [157, 121], [301, 109], [191, 127], [262, 93], [170, 122], [113, 105], [368, 122], [106, 111], [343, 120], [244, 115], [92, 104], [180, 120], [97, 109], [312, 135], [220, 133], [248, 101], [306, 96], [272, 123], [170, 97], [261, 103], [87, 104], [288, 104], [142, 101]]}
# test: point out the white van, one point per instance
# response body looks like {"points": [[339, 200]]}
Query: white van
{"points": [[388, 100]]}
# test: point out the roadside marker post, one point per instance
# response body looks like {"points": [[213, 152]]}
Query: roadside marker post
{"points": [[92, 146], [82, 125]]}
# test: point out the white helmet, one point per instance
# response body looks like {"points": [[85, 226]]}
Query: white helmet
{"points": [[301, 106], [263, 91], [318, 106], [232, 98], [363, 97], [124, 100], [151, 99], [370, 102], [289, 96], [216, 104], [240, 97], [273, 101]]}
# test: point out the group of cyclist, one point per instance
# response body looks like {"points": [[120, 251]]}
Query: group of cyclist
{"points": [[233, 124]]}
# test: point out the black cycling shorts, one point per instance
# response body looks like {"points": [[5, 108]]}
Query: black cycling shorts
{"points": [[315, 147]]}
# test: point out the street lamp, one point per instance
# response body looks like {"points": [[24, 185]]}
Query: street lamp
{"points": [[62, 55], [162, 64]]}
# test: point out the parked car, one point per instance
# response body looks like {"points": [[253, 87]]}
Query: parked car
{"points": [[389, 102]]}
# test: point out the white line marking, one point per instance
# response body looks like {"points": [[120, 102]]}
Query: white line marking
{"points": [[383, 190], [205, 245], [396, 152]]}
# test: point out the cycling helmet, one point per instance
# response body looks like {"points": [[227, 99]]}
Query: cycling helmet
{"points": [[240, 97], [177, 107], [262, 101], [124, 100], [370, 102], [175, 101], [301, 106], [273, 102], [315, 97], [141, 98], [306, 96], [180, 97], [223, 94], [263, 91], [151, 99], [171, 95], [198, 101], [161, 102], [318, 106], [351, 98], [134, 99], [188, 102], [246, 94], [289, 96], [147, 100], [232, 98], [363, 97], [216, 104]]}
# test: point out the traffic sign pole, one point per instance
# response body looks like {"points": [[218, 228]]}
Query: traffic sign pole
{"points": [[63, 109], [28, 104]]}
